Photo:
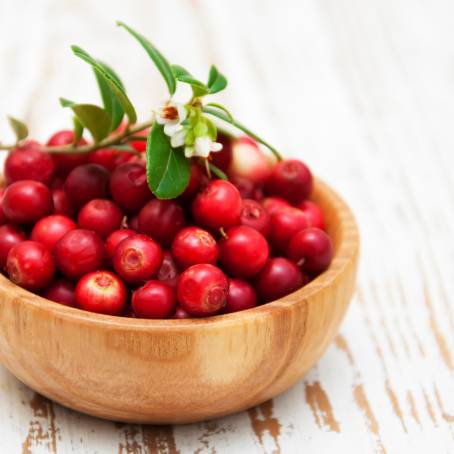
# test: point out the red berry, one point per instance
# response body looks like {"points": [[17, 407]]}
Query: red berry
{"points": [[133, 222], [26, 201], [61, 291], [30, 265], [291, 180], [137, 258], [100, 215], [29, 162], [195, 182], [244, 251], [129, 187], [154, 300], [274, 204], [102, 292], [246, 188], [168, 271], [180, 313], [194, 245], [85, 183], [241, 296], [255, 216], [65, 162], [79, 252], [3, 219], [139, 145], [314, 214], [284, 224], [51, 229], [161, 219], [62, 205], [278, 278], [219, 205], [312, 249], [115, 238], [223, 158], [9, 237], [109, 158], [202, 290]]}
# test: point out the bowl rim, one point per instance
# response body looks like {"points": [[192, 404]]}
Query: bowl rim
{"points": [[346, 252]]}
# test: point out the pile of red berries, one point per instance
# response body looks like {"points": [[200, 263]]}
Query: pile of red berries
{"points": [[84, 230]]}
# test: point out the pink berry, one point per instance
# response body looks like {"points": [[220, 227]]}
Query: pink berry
{"points": [[100, 215], [51, 229], [115, 238], [61, 291], [154, 300], [255, 216], [241, 296], [9, 237], [284, 224], [313, 213], [65, 162], [168, 271]]}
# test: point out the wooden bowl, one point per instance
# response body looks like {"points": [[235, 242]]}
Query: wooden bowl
{"points": [[179, 371]]}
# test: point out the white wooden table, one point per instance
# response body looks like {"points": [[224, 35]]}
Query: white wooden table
{"points": [[364, 92]]}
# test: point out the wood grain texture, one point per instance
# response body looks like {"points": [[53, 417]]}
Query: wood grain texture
{"points": [[361, 90]]}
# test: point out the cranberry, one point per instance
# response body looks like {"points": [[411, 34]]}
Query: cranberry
{"points": [[219, 205], [312, 249], [129, 187], [85, 183], [284, 224], [30, 265], [139, 145], [241, 296], [3, 219], [109, 158], [314, 214], [168, 271], [51, 229], [278, 278], [194, 245], [61, 291], [180, 313], [100, 215], [161, 219], [195, 182], [244, 252], [202, 290], [133, 222], [115, 238], [62, 205], [65, 162], [246, 188], [154, 300], [9, 237], [79, 252], [137, 258], [274, 204], [255, 216], [102, 292], [29, 162], [223, 158], [26, 201], [291, 180]]}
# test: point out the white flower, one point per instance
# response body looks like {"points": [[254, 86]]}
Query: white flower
{"points": [[203, 146], [177, 140], [171, 115]]}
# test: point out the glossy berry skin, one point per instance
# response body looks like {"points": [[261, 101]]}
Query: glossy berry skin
{"points": [[10, 235], [65, 162], [85, 183], [26, 201], [241, 296], [202, 290], [62, 204], [255, 216], [30, 265], [51, 229], [168, 271], [219, 205], [244, 252], [274, 204], [61, 291], [284, 224], [312, 249], [128, 186], [246, 187], [102, 292], [180, 313], [100, 215], [161, 219], [79, 252], [223, 158], [115, 238], [291, 180], [193, 245], [154, 300], [28, 162], [313, 213], [137, 258], [109, 158], [195, 182], [278, 278], [3, 219]]}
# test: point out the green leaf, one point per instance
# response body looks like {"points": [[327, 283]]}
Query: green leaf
{"points": [[78, 130], [66, 102], [159, 60], [179, 71], [168, 170], [109, 99], [113, 83], [217, 171], [216, 81], [221, 107], [20, 129], [183, 75]]}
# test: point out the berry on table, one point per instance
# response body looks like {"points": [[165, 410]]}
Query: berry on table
{"points": [[51, 229], [154, 300], [10, 235], [100, 215], [241, 296]]}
